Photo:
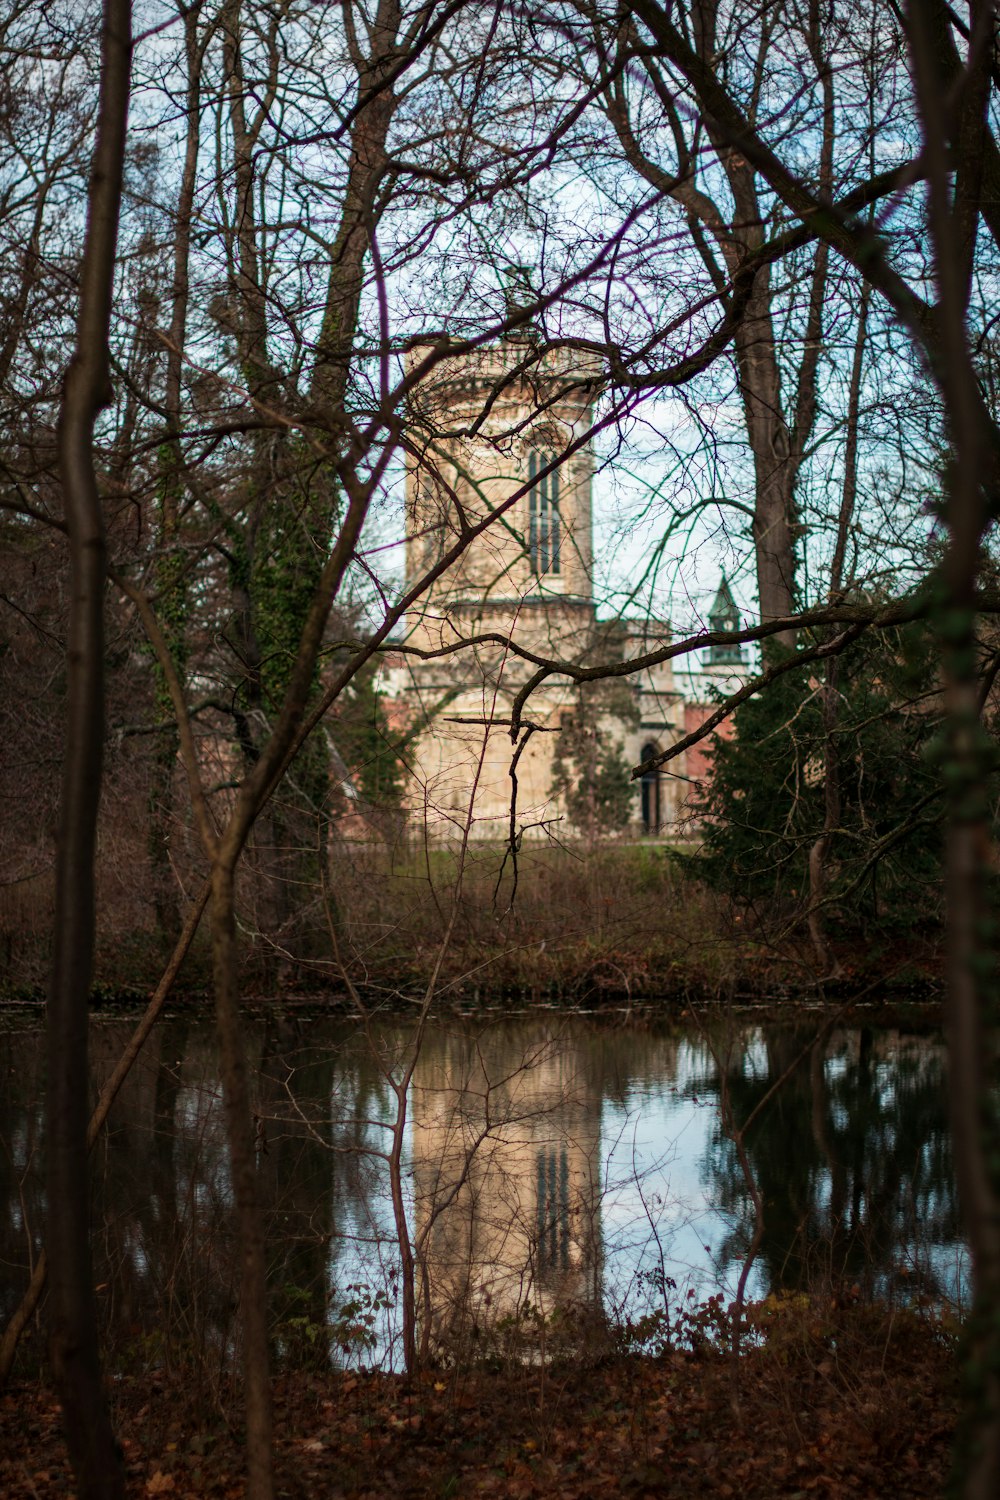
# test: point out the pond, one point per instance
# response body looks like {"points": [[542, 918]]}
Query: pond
{"points": [[553, 1168]]}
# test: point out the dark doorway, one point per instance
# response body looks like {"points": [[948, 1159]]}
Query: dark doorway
{"points": [[650, 790]]}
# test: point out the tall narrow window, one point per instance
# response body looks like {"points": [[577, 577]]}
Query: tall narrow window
{"points": [[543, 514], [650, 790], [552, 1209]]}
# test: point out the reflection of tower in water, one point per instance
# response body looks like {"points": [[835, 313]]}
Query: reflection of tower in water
{"points": [[507, 1181]]}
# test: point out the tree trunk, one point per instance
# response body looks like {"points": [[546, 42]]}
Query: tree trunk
{"points": [[170, 576], [820, 850], [973, 1004], [72, 1320], [774, 473]]}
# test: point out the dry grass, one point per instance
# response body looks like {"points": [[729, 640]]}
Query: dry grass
{"points": [[616, 922]]}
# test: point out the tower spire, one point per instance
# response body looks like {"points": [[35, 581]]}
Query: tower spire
{"points": [[724, 615]]}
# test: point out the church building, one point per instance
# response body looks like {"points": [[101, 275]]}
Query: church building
{"points": [[499, 517]]}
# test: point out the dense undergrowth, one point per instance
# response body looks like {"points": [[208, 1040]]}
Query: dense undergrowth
{"points": [[617, 922], [612, 924]]}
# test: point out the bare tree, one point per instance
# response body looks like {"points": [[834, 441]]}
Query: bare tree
{"points": [[957, 149], [73, 1331], [334, 239]]}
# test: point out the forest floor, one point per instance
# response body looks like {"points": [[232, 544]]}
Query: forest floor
{"points": [[865, 1408]]}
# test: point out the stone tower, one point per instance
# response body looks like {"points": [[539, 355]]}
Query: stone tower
{"points": [[499, 498], [484, 428]]}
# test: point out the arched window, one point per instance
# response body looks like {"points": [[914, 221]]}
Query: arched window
{"points": [[650, 790], [543, 514]]}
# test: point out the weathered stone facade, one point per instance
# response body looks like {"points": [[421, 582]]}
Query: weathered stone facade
{"points": [[499, 500]]}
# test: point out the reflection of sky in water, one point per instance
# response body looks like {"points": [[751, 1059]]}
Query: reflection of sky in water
{"points": [[635, 1114], [660, 1213], [951, 1268], [754, 1055], [656, 1203]]}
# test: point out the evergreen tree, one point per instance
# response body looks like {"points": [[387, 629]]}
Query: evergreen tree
{"points": [[764, 806]]}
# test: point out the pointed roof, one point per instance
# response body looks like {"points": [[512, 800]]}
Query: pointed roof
{"points": [[725, 615], [724, 603]]}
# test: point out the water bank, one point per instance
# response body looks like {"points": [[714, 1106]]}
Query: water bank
{"points": [[610, 926], [835, 1406]]}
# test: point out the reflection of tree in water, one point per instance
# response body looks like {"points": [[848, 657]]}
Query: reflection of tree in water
{"points": [[296, 1178], [851, 1157], [164, 1243], [160, 1209], [322, 1098], [163, 1208], [22, 1204]]}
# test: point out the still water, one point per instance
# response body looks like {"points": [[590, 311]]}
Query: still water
{"points": [[549, 1165]]}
